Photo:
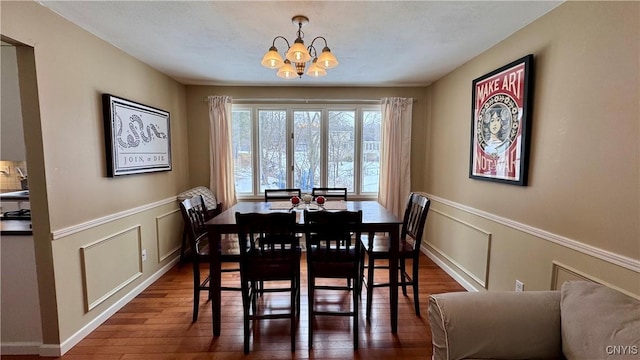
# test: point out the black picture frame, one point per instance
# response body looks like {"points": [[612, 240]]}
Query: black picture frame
{"points": [[501, 123], [137, 137]]}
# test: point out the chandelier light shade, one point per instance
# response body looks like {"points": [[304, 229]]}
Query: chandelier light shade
{"points": [[315, 70], [298, 55], [272, 59], [287, 71], [327, 60]]}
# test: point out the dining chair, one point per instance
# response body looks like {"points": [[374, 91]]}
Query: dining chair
{"points": [[332, 253], [330, 193], [281, 194], [212, 209], [269, 253], [194, 214], [376, 246]]}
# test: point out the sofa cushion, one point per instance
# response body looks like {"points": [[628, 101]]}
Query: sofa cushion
{"points": [[209, 199], [495, 325], [598, 322]]}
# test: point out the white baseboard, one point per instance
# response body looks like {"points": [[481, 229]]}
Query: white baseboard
{"points": [[55, 350], [449, 270]]}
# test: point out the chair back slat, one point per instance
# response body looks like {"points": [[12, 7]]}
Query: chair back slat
{"points": [[330, 193], [332, 237], [194, 214], [415, 217], [281, 194], [266, 241]]}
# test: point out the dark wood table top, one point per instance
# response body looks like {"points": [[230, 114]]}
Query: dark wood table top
{"points": [[373, 213]]}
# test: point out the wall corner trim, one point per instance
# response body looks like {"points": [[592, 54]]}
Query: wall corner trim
{"points": [[604, 255]]}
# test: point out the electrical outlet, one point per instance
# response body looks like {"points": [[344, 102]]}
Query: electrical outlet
{"points": [[519, 286], [144, 254]]}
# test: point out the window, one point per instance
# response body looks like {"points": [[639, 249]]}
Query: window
{"points": [[306, 146], [272, 149], [371, 128], [242, 150]]}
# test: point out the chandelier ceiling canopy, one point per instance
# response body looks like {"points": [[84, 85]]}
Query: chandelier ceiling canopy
{"points": [[297, 55]]}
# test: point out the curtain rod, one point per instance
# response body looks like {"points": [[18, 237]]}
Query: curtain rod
{"points": [[305, 101]]}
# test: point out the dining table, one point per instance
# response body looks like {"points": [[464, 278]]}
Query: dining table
{"points": [[375, 218]]}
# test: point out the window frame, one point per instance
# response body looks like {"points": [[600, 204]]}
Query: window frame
{"points": [[324, 109]]}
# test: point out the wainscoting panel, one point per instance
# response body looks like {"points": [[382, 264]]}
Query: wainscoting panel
{"points": [[562, 273], [109, 264], [463, 244], [169, 241]]}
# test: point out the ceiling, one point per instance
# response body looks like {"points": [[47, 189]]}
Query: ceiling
{"points": [[378, 43]]}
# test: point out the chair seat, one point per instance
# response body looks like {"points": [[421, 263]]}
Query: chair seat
{"points": [[274, 267], [337, 271], [324, 254], [332, 263], [229, 250], [380, 246], [229, 247]]}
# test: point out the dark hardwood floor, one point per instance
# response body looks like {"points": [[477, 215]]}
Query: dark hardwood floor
{"points": [[156, 325]]}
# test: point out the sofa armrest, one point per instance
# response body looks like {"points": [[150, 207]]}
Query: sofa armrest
{"points": [[496, 325]]}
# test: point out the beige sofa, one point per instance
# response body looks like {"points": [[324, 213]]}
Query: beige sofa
{"points": [[583, 320]]}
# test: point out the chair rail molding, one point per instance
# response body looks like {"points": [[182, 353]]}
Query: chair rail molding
{"points": [[61, 233], [613, 258]]}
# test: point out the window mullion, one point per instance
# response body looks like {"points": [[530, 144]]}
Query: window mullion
{"points": [[255, 142], [290, 149], [324, 147], [357, 164]]}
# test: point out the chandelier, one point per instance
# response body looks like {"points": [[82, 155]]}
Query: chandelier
{"points": [[298, 55]]}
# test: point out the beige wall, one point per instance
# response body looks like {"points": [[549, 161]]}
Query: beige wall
{"points": [[73, 201], [20, 310], [12, 145], [582, 206], [198, 114]]}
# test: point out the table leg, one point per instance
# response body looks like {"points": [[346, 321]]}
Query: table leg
{"points": [[214, 284], [394, 235]]}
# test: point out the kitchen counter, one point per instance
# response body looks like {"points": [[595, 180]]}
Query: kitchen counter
{"points": [[15, 195], [15, 227]]}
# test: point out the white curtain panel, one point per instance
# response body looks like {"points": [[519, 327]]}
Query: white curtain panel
{"points": [[395, 152], [221, 167]]}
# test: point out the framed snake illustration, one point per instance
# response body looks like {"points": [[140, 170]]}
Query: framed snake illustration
{"points": [[137, 137]]}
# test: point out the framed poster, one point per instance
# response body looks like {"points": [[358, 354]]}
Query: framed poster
{"points": [[137, 137], [500, 114]]}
